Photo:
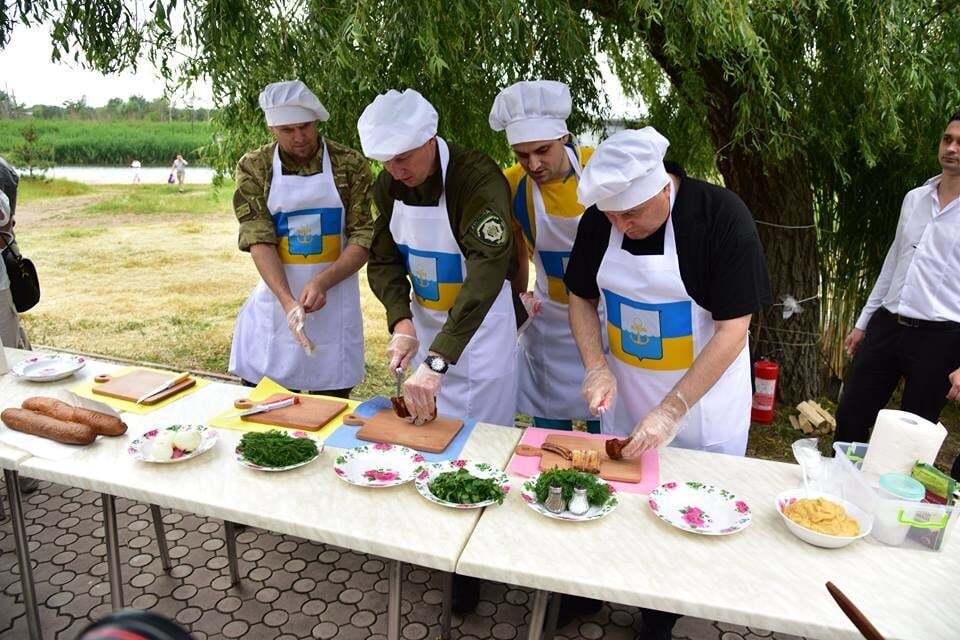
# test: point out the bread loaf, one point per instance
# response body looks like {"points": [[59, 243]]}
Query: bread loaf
{"points": [[103, 424], [37, 424]]}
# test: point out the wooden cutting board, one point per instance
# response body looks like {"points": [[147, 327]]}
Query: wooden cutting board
{"points": [[131, 386], [614, 470], [433, 436], [310, 414]]}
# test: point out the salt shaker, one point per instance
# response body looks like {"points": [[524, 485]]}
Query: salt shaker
{"points": [[554, 502], [579, 504]]}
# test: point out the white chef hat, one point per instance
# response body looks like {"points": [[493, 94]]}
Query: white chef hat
{"points": [[625, 170], [290, 102], [395, 123], [532, 110]]}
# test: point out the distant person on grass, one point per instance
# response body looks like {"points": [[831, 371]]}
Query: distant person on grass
{"points": [[304, 207], [180, 169], [135, 165]]}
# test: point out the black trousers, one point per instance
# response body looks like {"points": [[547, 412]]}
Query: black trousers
{"points": [[889, 352], [336, 393]]}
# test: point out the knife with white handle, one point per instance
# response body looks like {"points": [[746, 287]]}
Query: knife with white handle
{"points": [[269, 406], [163, 387]]}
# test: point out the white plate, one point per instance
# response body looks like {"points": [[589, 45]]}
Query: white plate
{"points": [[699, 508], [378, 465], [238, 456], [139, 449], [816, 538], [428, 473], [48, 367], [594, 513]]}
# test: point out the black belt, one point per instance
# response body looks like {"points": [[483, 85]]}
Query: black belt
{"points": [[916, 323]]}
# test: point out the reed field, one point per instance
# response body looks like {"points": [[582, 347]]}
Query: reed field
{"points": [[116, 142]]}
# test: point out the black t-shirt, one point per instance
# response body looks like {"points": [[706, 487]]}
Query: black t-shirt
{"points": [[721, 259]]}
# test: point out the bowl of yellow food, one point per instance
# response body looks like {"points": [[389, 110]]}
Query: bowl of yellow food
{"points": [[821, 519]]}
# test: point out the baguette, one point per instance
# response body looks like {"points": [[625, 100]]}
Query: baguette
{"points": [[103, 424], [38, 424]]}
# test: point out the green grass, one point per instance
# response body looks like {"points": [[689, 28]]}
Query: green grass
{"points": [[93, 142], [150, 199], [33, 189]]}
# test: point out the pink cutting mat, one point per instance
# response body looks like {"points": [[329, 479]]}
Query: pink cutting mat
{"points": [[529, 466]]}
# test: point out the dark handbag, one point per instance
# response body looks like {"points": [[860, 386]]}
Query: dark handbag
{"points": [[24, 283]]}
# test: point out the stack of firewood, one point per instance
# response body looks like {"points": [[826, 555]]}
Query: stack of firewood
{"points": [[813, 419]]}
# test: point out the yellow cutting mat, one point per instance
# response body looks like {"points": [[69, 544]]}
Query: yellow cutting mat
{"points": [[267, 387], [85, 389]]}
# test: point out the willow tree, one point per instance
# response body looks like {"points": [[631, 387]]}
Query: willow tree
{"points": [[777, 97]]}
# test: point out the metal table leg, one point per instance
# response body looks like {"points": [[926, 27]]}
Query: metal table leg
{"points": [[23, 553], [540, 599], [113, 550], [447, 606], [230, 537], [393, 600], [553, 613], [161, 537]]}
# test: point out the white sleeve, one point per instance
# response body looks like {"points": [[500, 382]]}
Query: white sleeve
{"points": [[882, 285], [4, 209]]}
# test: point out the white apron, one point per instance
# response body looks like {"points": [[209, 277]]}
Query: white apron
{"points": [[309, 220], [654, 331], [482, 384], [550, 368]]}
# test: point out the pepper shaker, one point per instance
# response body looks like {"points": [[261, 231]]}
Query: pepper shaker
{"points": [[554, 502], [579, 504]]}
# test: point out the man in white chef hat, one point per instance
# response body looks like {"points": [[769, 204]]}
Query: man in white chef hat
{"points": [[440, 263], [441, 256], [304, 207], [543, 186], [680, 268]]}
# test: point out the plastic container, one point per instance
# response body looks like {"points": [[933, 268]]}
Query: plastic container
{"points": [[892, 523], [918, 525]]}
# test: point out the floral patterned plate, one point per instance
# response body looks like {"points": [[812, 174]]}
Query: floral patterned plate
{"points": [[141, 448], [48, 367], [378, 465], [427, 473], [699, 508], [594, 513], [238, 455]]}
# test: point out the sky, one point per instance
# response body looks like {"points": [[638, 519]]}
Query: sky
{"points": [[29, 74]]}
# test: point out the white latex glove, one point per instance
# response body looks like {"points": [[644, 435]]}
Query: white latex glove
{"points": [[659, 427], [599, 388], [295, 318], [531, 303], [420, 394], [401, 350]]}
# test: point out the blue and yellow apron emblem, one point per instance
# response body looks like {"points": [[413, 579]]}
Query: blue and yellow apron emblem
{"points": [[436, 277], [309, 236], [650, 336], [555, 264]]}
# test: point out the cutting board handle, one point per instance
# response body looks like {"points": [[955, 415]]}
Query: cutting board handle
{"points": [[353, 420], [528, 450], [103, 377]]}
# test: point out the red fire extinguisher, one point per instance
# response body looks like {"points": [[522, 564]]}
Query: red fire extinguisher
{"points": [[765, 374]]}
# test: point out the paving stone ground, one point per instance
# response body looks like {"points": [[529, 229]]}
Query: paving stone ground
{"points": [[291, 588]]}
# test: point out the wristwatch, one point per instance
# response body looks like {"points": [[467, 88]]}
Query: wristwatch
{"points": [[437, 364]]}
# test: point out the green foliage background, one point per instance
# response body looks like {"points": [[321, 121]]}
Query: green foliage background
{"points": [[87, 142]]}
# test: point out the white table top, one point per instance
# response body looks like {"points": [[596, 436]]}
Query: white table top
{"points": [[310, 502], [761, 577]]}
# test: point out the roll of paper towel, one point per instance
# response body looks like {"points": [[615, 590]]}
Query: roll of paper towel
{"points": [[899, 440]]}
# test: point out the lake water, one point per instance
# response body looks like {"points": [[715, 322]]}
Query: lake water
{"points": [[124, 175]]}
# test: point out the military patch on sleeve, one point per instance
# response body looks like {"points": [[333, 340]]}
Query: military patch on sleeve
{"points": [[489, 229]]}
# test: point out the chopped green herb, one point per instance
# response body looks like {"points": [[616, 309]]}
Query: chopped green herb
{"points": [[461, 487], [568, 479], [276, 449]]}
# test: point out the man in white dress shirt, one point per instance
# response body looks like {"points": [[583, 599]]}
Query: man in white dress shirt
{"points": [[910, 326]]}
